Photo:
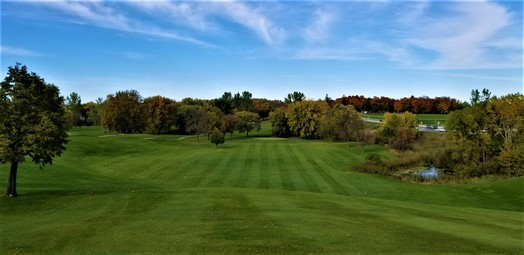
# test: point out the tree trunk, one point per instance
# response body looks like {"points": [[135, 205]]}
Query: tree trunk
{"points": [[11, 183]]}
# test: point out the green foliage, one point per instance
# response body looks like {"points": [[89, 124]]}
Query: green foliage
{"points": [[304, 118], [341, 122], [217, 137], [294, 97], [216, 119], [399, 130], [487, 136], [32, 121], [230, 123], [74, 105], [93, 113], [123, 112], [160, 113], [247, 122], [194, 119], [279, 123]]}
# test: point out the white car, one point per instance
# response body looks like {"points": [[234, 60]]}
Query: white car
{"points": [[441, 129]]}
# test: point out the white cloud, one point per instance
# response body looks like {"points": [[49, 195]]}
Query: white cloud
{"points": [[253, 20], [319, 29], [206, 16], [191, 14], [16, 51], [103, 15], [461, 41]]}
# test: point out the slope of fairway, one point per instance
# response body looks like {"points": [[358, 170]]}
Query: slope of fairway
{"points": [[162, 194]]}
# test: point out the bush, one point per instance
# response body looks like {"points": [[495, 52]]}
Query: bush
{"points": [[217, 137]]}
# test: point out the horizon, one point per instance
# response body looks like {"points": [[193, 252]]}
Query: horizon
{"points": [[202, 49]]}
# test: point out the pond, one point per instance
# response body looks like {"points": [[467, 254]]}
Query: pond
{"points": [[429, 173]]}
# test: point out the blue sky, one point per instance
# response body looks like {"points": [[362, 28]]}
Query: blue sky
{"points": [[201, 49]]}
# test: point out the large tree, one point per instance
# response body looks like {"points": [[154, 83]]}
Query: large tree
{"points": [[247, 122], [304, 117], [32, 121], [74, 105], [341, 122], [123, 112], [194, 119], [399, 130], [279, 123], [92, 110], [230, 123], [160, 113]]}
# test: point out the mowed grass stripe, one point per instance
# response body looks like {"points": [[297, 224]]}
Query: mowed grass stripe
{"points": [[283, 168], [264, 166], [339, 159], [303, 170], [247, 163], [184, 166], [223, 168], [203, 168], [237, 225], [339, 189]]}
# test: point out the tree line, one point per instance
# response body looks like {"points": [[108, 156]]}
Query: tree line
{"points": [[416, 105], [90, 113]]}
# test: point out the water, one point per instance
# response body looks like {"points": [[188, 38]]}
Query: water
{"points": [[430, 173]]}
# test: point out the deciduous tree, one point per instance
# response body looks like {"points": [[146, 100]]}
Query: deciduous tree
{"points": [[74, 105], [279, 123], [230, 123], [399, 130], [349, 124], [32, 121], [123, 112], [304, 117], [247, 122], [217, 137], [196, 119], [93, 113], [160, 113]]}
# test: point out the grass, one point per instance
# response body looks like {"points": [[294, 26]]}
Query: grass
{"points": [[148, 194], [426, 119]]}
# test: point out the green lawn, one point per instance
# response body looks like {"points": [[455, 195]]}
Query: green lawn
{"points": [[148, 194], [426, 119]]}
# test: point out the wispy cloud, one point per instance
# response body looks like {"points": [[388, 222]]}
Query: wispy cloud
{"points": [[481, 77], [206, 16], [189, 14], [101, 14], [254, 20], [133, 55], [462, 40], [320, 28], [16, 51]]}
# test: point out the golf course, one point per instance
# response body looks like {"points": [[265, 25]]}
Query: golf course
{"points": [[168, 194]]}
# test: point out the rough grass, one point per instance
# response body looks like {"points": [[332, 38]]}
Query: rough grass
{"points": [[158, 194]]}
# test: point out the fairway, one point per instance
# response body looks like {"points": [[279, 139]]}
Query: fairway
{"points": [[426, 119], [147, 194]]}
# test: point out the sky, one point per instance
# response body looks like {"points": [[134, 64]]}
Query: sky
{"points": [[201, 49]]}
